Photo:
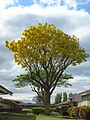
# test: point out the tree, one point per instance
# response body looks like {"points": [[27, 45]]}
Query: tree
{"points": [[37, 99], [25, 80], [46, 49], [70, 95], [58, 98], [64, 96]]}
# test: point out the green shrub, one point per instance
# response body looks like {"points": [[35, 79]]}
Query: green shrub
{"points": [[53, 109], [70, 111], [63, 111], [55, 114], [82, 112], [37, 110]]}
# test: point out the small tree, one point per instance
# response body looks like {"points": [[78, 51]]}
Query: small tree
{"points": [[58, 98], [64, 96], [70, 95], [44, 47]]}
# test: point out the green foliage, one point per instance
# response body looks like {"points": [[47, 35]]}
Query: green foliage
{"points": [[17, 116], [64, 96], [63, 111], [82, 112], [52, 117], [74, 111], [63, 81], [58, 98], [40, 110], [37, 110], [70, 95]]}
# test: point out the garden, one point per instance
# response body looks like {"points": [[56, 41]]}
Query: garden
{"points": [[18, 116], [37, 113]]}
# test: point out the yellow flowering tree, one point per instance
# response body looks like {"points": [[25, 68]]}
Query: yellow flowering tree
{"points": [[46, 48]]}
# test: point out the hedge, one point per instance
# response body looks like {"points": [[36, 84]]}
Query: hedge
{"points": [[82, 112], [37, 110], [40, 110]]}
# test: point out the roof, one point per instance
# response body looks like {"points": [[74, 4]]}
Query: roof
{"points": [[9, 101], [64, 103], [3, 90], [87, 92]]}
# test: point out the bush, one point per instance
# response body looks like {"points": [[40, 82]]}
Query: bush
{"points": [[82, 112], [62, 111], [73, 112], [37, 110], [40, 110], [53, 109], [55, 114]]}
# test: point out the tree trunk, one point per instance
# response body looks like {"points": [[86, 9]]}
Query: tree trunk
{"points": [[47, 103]]}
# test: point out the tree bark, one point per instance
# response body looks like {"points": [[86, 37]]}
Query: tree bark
{"points": [[47, 103]]}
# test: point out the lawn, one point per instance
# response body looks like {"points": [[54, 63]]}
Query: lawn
{"points": [[17, 116], [43, 117]]}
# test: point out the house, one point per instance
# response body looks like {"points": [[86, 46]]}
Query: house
{"points": [[10, 105], [84, 98], [80, 99], [6, 104], [3, 90], [68, 103], [63, 104]]}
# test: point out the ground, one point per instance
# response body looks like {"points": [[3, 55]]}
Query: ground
{"points": [[18, 116]]}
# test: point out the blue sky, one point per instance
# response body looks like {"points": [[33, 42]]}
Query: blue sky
{"points": [[81, 4], [72, 16]]}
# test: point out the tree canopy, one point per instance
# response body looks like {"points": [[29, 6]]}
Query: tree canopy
{"points": [[44, 49], [58, 98], [64, 96]]}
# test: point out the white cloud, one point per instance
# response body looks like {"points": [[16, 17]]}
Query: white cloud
{"points": [[5, 3], [71, 3], [67, 3], [48, 2], [20, 97], [83, 2], [79, 78]]}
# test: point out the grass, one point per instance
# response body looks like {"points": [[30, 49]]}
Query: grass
{"points": [[17, 116], [20, 116], [43, 117]]}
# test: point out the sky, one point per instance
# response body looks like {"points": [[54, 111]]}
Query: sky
{"points": [[71, 16]]}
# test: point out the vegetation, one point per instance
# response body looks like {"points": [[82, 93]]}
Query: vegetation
{"points": [[71, 95], [82, 112], [64, 96], [46, 52], [58, 98], [37, 110], [55, 117], [37, 99], [17, 116]]}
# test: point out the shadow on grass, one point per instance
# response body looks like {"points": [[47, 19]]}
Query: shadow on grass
{"points": [[64, 117], [17, 116]]}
